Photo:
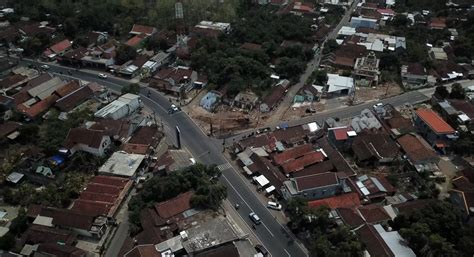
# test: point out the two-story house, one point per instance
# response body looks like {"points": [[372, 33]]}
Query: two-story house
{"points": [[434, 129], [95, 142], [312, 187], [175, 81]]}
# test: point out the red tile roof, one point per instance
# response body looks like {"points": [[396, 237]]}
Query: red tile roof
{"points": [[142, 29], [315, 181], [36, 234], [8, 127], [436, 123], [68, 218], [292, 153], [98, 197], [176, 74], [89, 137], [12, 80], [103, 189], [68, 88], [373, 213], [59, 250], [350, 217], [72, 100], [39, 107], [438, 23], [136, 40], [304, 161], [174, 206], [111, 181], [374, 243], [91, 207], [61, 46], [341, 133], [348, 200], [250, 46], [416, 148]]}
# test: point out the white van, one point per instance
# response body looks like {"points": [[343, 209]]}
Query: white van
{"points": [[274, 206]]}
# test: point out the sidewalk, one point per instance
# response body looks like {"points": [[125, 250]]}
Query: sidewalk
{"points": [[278, 215]]}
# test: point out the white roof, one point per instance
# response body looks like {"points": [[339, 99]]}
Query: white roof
{"points": [[395, 242], [43, 221], [463, 117], [46, 89], [116, 105], [149, 64], [337, 83], [261, 180], [15, 177], [347, 31], [313, 126], [269, 189], [122, 164], [3, 231]]}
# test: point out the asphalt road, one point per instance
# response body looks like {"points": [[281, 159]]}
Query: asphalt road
{"points": [[207, 151]]}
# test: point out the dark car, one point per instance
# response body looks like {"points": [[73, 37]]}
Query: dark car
{"points": [[254, 217], [261, 249]]}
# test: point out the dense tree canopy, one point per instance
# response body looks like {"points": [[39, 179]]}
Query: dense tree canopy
{"points": [[437, 230], [226, 63], [199, 178], [324, 237]]}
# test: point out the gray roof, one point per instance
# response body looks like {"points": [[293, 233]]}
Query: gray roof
{"points": [[46, 89]]}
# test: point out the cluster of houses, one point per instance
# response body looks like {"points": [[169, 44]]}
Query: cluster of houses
{"points": [[333, 165], [134, 148]]}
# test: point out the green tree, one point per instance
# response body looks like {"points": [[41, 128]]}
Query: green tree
{"points": [[400, 20], [435, 230], [208, 192], [125, 53], [7, 242], [20, 223], [133, 88], [330, 46], [457, 91], [441, 92]]}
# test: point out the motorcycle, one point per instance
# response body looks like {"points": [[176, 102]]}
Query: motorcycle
{"points": [[236, 206]]}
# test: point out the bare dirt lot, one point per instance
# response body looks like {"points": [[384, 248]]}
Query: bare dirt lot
{"points": [[381, 91]]}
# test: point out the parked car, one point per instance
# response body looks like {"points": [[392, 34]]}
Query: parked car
{"points": [[378, 105], [44, 67], [254, 217], [102, 76], [261, 249], [274, 206]]}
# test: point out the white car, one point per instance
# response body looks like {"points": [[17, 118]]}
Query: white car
{"points": [[274, 206], [378, 105], [102, 76], [44, 67]]}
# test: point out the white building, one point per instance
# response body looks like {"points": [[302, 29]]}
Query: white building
{"points": [[122, 164], [339, 84], [122, 107]]}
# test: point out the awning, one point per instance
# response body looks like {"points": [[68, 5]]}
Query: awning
{"points": [[261, 180], [270, 189]]}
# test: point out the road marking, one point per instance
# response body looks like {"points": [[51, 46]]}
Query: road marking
{"points": [[237, 192], [268, 229], [224, 166], [287, 252]]}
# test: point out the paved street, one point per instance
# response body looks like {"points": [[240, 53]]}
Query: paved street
{"points": [[209, 151], [271, 233], [312, 65]]}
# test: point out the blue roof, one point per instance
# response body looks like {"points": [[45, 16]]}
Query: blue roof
{"points": [[57, 159]]}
